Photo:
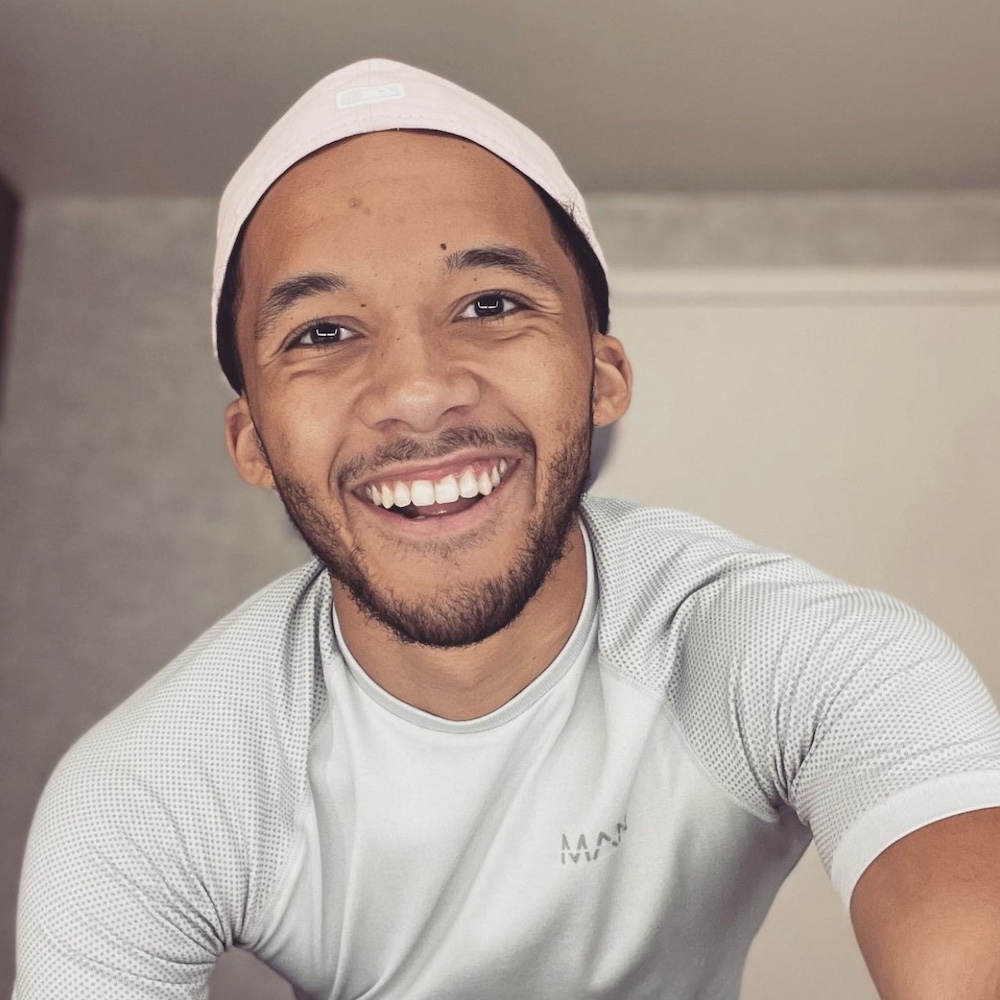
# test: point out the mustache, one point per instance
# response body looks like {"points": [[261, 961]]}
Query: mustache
{"points": [[406, 449]]}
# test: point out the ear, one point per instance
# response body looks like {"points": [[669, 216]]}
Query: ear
{"points": [[612, 379], [244, 446]]}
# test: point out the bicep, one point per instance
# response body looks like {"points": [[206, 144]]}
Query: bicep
{"points": [[926, 911]]}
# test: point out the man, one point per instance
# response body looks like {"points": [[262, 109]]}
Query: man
{"points": [[496, 740]]}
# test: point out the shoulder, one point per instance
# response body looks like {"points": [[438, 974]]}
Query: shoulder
{"points": [[790, 686], [638, 547], [202, 768], [262, 659], [664, 575], [745, 647], [687, 605]]}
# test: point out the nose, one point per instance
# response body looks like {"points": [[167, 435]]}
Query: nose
{"points": [[415, 381]]}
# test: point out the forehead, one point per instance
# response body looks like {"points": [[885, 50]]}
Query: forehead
{"points": [[398, 184]]}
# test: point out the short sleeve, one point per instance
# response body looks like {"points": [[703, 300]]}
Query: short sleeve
{"points": [[163, 833], [111, 906], [863, 717], [796, 692]]}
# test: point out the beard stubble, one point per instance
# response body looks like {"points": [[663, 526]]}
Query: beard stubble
{"points": [[465, 613]]}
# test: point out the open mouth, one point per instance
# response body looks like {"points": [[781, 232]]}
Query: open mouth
{"points": [[451, 494]]}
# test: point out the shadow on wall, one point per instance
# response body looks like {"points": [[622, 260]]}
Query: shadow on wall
{"points": [[9, 209], [603, 442]]}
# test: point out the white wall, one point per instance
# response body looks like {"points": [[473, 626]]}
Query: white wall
{"points": [[123, 532]]}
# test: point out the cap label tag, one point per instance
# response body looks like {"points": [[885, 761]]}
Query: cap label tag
{"points": [[354, 96]]}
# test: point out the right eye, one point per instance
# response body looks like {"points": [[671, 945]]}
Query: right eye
{"points": [[321, 333]]}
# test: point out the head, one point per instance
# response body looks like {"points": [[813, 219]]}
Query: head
{"points": [[418, 347]]}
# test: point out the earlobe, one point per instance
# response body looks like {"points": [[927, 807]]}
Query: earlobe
{"points": [[244, 446], [612, 379]]}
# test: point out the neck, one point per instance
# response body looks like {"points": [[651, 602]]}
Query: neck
{"points": [[468, 682]]}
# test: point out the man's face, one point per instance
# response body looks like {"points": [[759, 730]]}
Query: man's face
{"points": [[419, 374]]}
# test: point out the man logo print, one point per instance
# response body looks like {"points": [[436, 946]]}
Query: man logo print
{"points": [[583, 850]]}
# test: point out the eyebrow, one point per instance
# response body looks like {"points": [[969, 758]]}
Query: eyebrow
{"points": [[289, 291], [511, 259]]}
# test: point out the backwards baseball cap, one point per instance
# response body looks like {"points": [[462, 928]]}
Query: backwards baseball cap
{"points": [[378, 95]]}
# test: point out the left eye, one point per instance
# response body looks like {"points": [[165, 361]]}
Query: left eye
{"points": [[489, 306]]}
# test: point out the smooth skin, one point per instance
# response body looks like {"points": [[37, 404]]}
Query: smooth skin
{"points": [[384, 214], [926, 912]]}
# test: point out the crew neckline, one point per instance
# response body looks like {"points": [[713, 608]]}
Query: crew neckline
{"points": [[583, 635]]}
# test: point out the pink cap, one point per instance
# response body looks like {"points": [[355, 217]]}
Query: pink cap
{"points": [[374, 96]]}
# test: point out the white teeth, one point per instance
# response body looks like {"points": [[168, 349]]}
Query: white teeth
{"points": [[467, 484], [446, 490], [421, 493]]}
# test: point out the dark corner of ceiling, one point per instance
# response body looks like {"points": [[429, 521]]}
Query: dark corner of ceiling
{"points": [[9, 209]]}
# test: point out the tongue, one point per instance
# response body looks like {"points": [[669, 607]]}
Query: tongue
{"points": [[437, 509]]}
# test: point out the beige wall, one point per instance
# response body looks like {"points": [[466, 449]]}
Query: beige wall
{"points": [[848, 417], [850, 428]]}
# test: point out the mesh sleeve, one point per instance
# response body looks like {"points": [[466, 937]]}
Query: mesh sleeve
{"points": [[844, 700], [107, 910], [162, 833], [795, 690], [909, 717]]}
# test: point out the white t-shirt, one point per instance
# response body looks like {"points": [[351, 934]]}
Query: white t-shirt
{"points": [[616, 830]]}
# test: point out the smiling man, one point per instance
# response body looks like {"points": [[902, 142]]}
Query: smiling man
{"points": [[498, 739], [419, 382]]}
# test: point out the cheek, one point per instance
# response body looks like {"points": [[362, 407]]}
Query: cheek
{"points": [[302, 434], [556, 413], [558, 389]]}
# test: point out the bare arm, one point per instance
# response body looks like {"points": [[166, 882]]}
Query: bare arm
{"points": [[926, 912]]}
